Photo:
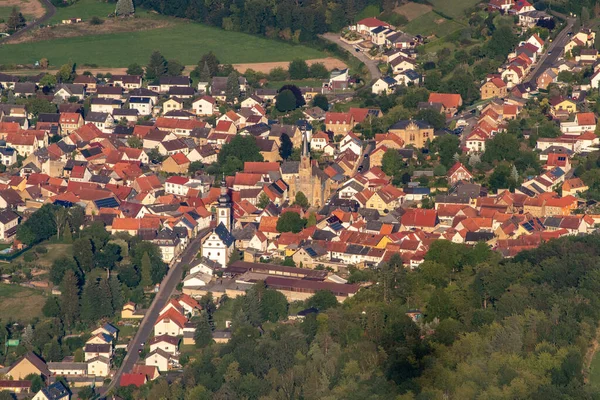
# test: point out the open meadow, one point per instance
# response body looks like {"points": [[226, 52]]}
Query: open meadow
{"points": [[20, 303]]}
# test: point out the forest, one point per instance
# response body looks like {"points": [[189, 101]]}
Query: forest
{"points": [[488, 328]]}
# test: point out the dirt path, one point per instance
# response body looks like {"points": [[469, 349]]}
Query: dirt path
{"points": [[329, 62], [589, 357]]}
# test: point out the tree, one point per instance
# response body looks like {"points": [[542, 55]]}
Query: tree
{"points": [[146, 268], [48, 80], [242, 148], [209, 60], [90, 305], [503, 146], [585, 16], [51, 308], [312, 219], [174, 68], [36, 382], [501, 178], [135, 142], [273, 306], [157, 66], [83, 254], [391, 162], [59, 268], [297, 94], [298, 69], [322, 300], [318, 71], [263, 200], [135, 69], [285, 101], [203, 333], [86, 392], [432, 117], [37, 105], [301, 200], [290, 221], [446, 147], [321, 101], [69, 298], [16, 21], [124, 7], [232, 91], [66, 73], [286, 146], [6, 395]]}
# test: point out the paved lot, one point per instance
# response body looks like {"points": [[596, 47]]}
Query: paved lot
{"points": [[374, 71]]}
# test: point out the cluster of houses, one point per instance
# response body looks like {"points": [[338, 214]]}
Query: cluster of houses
{"points": [[524, 10]]}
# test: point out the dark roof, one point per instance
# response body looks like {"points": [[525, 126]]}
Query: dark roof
{"points": [[24, 87], [224, 235], [174, 80], [139, 100], [290, 167], [181, 91], [105, 101], [56, 391], [97, 348], [49, 117], [310, 286], [479, 236], [36, 361], [118, 112], [7, 216], [403, 124], [96, 116]]}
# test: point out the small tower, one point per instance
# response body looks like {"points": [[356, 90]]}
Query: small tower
{"points": [[224, 207]]}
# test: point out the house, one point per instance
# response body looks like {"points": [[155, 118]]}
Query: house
{"points": [[546, 78], [104, 105], [159, 359], [583, 122], [143, 105], [25, 89], [176, 163], [129, 312], [30, 363], [339, 79], [475, 142], [88, 82], [339, 123], [8, 225], [365, 25], [15, 386], [401, 63], [171, 323], [103, 121], [413, 132], [166, 343], [450, 102], [494, 87], [135, 379], [174, 103], [128, 82], [383, 85], [408, 77], [561, 107], [168, 82], [573, 186], [56, 391], [97, 350], [110, 92], [351, 142], [204, 106], [66, 91], [70, 122], [458, 173]]}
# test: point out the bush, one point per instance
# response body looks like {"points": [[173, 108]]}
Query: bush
{"points": [[96, 21], [29, 257], [41, 250]]}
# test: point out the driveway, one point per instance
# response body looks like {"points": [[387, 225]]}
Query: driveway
{"points": [[371, 65], [556, 48], [167, 287]]}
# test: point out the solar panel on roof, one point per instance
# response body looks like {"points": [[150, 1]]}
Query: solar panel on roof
{"points": [[336, 226], [109, 202], [311, 252]]}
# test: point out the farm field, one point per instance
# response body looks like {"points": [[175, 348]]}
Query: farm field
{"points": [[84, 9], [184, 41], [20, 303], [413, 10], [432, 24]]}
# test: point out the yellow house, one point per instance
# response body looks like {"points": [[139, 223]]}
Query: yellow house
{"points": [[561, 105], [30, 363], [177, 163], [128, 312], [383, 242], [386, 199], [173, 104]]}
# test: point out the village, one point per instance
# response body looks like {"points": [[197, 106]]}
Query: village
{"points": [[225, 187]]}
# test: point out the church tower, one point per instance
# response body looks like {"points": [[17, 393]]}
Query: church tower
{"points": [[305, 175], [224, 207]]}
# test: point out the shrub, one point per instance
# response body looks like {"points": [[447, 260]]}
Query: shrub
{"points": [[41, 250], [29, 257], [96, 21]]}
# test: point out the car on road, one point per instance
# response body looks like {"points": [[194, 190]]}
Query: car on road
{"points": [[357, 50], [569, 33], [550, 52], [360, 168]]}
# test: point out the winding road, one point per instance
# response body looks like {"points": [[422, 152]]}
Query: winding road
{"points": [[50, 11], [167, 287], [371, 65]]}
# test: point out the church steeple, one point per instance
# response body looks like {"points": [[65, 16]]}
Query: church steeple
{"points": [[224, 207]]}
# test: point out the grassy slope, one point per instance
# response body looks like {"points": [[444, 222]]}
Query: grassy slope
{"points": [[594, 378], [20, 303], [84, 9], [427, 24], [454, 8], [183, 41]]}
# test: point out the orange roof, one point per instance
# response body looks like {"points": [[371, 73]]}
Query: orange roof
{"points": [[499, 83], [172, 315], [180, 159], [134, 224], [586, 118], [9, 127], [260, 167], [336, 117], [449, 100], [268, 224], [69, 118], [175, 123]]}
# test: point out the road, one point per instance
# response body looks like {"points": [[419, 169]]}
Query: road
{"points": [[556, 48], [371, 65], [366, 161], [167, 287], [50, 11]]}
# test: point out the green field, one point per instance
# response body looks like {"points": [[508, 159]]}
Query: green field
{"points": [[6, 11], [84, 9], [432, 23], [594, 377], [20, 303], [454, 8], [183, 41]]}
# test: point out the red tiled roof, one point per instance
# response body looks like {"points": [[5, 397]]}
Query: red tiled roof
{"points": [[174, 316], [135, 379], [180, 158], [449, 100]]}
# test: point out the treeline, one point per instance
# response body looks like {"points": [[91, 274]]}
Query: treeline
{"points": [[487, 328], [291, 20]]}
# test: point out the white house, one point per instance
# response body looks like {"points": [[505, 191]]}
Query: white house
{"points": [[8, 224], [384, 85], [158, 358], [166, 343], [170, 323], [142, 104], [408, 77], [204, 106], [98, 366], [56, 391], [584, 122], [351, 142], [97, 350]]}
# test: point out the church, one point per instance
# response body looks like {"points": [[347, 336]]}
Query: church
{"points": [[218, 245], [309, 179]]}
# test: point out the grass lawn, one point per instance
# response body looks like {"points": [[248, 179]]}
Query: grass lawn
{"points": [[20, 303], [183, 41], [594, 378], [454, 8], [55, 250], [224, 313], [432, 23], [84, 9], [299, 83], [5, 12], [369, 11]]}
